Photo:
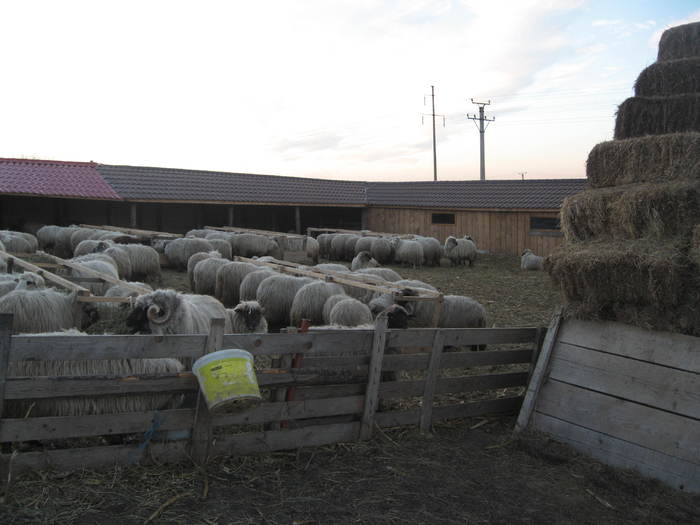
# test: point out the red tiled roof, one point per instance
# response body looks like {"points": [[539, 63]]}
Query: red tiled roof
{"points": [[55, 178]]}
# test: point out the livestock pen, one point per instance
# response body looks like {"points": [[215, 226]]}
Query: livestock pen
{"points": [[341, 374]]}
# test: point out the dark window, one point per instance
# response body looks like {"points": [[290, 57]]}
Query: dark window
{"points": [[544, 223], [443, 218]]}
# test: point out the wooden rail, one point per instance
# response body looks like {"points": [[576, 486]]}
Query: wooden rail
{"points": [[340, 375], [133, 231], [361, 233], [49, 276], [266, 233]]}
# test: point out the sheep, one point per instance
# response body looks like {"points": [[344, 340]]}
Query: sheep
{"points": [[363, 260], [32, 241], [22, 281], [459, 251], [145, 261], [204, 275], [44, 310], [82, 234], [276, 295], [99, 263], [119, 290], [530, 261], [199, 234], [180, 250], [381, 250], [350, 312], [87, 246], [331, 267], [385, 273], [119, 255], [324, 244], [166, 311], [363, 244], [408, 252], [249, 285], [228, 281], [223, 247], [250, 244], [422, 311], [397, 318], [194, 259], [432, 250], [349, 246], [47, 236], [14, 242], [312, 249], [329, 304], [337, 246], [459, 311], [309, 300], [247, 317]]}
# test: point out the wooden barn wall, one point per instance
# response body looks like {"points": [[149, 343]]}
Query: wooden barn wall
{"points": [[502, 232]]}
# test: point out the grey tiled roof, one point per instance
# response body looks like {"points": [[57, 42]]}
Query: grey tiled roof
{"points": [[133, 182], [533, 194]]}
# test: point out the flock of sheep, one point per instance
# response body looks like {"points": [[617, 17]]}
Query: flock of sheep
{"points": [[251, 298]]}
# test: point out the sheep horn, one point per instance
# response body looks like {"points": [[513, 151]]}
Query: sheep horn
{"points": [[153, 315]]}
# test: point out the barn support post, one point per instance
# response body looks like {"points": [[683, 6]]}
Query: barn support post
{"points": [[426, 414], [202, 428], [133, 214], [230, 213], [374, 377], [5, 343], [364, 219], [297, 219]]}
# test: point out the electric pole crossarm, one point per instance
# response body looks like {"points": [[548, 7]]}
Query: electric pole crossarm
{"points": [[480, 126]]}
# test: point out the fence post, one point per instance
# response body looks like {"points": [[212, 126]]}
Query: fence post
{"points": [[374, 377], [5, 342], [426, 414], [202, 430], [538, 375]]}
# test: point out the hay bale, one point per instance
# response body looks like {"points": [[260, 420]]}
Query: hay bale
{"points": [[680, 42], [641, 272], [652, 211], [639, 116], [675, 77], [645, 159]]}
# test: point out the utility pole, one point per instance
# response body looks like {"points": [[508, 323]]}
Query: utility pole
{"points": [[432, 94], [522, 174], [480, 126]]}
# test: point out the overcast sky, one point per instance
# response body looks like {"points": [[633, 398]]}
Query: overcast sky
{"points": [[324, 88]]}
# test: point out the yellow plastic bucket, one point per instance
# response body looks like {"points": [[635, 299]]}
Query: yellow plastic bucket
{"points": [[227, 380]]}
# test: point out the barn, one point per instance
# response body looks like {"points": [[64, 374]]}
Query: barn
{"points": [[503, 216]]}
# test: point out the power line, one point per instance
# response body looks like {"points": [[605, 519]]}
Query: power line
{"points": [[481, 118], [432, 95]]}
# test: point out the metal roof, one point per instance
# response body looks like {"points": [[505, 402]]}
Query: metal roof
{"points": [[54, 178]]}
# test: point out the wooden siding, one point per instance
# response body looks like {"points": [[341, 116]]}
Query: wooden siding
{"points": [[502, 232]]}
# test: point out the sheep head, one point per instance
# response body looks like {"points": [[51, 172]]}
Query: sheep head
{"points": [[153, 310], [450, 243], [397, 316], [251, 312]]}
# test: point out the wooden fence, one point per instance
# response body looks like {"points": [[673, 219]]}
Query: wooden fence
{"points": [[333, 373], [626, 396]]}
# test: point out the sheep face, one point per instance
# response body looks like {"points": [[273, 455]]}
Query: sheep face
{"points": [[152, 311], [397, 317], [251, 313], [450, 243], [525, 252], [137, 321]]}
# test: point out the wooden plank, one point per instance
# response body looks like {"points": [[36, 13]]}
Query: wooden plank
{"points": [[449, 385], [285, 439], [51, 277], [330, 391], [461, 337], [132, 231], [326, 342], [669, 389], [98, 299], [648, 427], [663, 348], [202, 425], [94, 273], [45, 387], [95, 457], [539, 374], [374, 377], [678, 473], [470, 409], [38, 347], [426, 417], [291, 410], [40, 428], [5, 350]]}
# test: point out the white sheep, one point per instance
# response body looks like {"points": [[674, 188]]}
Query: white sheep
{"points": [[432, 250], [194, 259], [350, 312], [382, 250], [204, 274], [363, 260], [44, 310], [247, 317], [309, 300], [530, 261], [250, 244], [15, 242], [166, 311], [385, 273], [145, 261], [408, 252], [312, 249], [222, 246], [249, 284], [97, 262], [276, 295], [180, 250], [460, 251], [324, 244], [364, 244], [228, 281], [329, 304]]}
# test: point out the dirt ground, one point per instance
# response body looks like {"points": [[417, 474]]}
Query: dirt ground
{"points": [[459, 475], [468, 472]]}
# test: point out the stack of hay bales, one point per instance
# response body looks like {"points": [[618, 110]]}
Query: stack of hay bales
{"points": [[632, 250]]}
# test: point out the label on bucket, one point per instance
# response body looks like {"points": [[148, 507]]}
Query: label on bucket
{"points": [[227, 380]]}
